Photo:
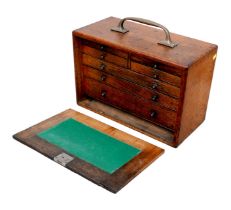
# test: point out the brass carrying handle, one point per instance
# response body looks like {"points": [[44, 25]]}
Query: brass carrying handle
{"points": [[167, 42]]}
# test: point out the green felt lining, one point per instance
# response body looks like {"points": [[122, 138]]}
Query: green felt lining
{"points": [[90, 145]]}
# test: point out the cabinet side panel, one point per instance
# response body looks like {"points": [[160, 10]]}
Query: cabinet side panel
{"points": [[196, 94], [77, 65]]}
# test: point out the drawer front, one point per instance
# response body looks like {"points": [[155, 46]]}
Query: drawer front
{"points": [[154, 72], [121, 84], [130, 103], [105, 56], [132, 76], [104, 48], [161, 66]]}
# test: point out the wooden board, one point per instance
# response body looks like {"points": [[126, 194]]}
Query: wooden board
{"points": [[112, 182]]}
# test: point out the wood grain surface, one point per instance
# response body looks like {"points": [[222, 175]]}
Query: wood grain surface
{"points": [[125, 118], [196, 95], [133, 76], [168, 79], [131, 103], [112, 182], [133, 88], [143, 40], [104, 56]]}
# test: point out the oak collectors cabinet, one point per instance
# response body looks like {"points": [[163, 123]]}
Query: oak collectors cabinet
{"points": [[157, 87]]}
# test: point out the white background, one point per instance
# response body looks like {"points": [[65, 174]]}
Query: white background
{"points": [[37, 82]]}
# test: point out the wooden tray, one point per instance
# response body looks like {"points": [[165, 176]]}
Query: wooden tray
{"points": [[113, 181]]}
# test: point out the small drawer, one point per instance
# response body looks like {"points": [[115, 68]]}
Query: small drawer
{"points": [[132, 104], [156, 73], [104, 56], [132, 76], [154, 63], [121, 84], [104, 48]]}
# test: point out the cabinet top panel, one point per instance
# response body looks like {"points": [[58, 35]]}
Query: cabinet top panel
{"points": [[143, 40]]}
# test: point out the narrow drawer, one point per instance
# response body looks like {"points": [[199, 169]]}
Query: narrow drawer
{"points": [[104, 48], [132, 76], [121, 84], [159, 65], [130, 103], [155, 72], [104, 56]]}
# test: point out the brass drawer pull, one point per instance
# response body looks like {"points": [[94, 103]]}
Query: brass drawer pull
{"points": [[102, 47], [167, 42], [102, 66], [154, 98], [154, 86], [155, 66], [155, 76], [102, 57], [103, 93], [103, 77], [152, 114]]}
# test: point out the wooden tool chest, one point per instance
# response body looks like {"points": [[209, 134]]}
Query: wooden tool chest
{"points": [[134, 78]]}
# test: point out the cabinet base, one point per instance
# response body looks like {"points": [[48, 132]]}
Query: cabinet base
{"points": [[129, 120]]}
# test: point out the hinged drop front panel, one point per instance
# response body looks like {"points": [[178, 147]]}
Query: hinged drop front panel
{"points": [[96, 151]]}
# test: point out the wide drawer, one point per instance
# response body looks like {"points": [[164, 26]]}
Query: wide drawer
{"points": [[130, 103], [104, 48], [121, 84], [159, 65], [156, 73], [104, 56], [132, 76]]}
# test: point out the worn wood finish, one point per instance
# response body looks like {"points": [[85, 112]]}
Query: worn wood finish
{"points": [[129, 120], [121, 84], [181, 76], [104, 56], [196, 96], [130, 103], [132, 76], [143, 40], [156, 73], [112, 182], [104, 48], [172, 70], [78, 64]]}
